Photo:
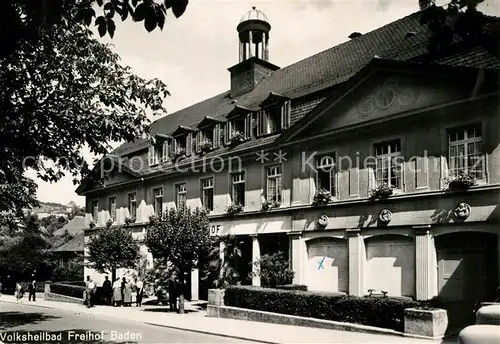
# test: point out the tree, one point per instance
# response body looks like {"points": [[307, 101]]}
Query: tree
{"points": [[25, 20], [273, 270], [58, 94], [24, 252], [226, 271], [112, 248], [446, 22], [180, 238]]}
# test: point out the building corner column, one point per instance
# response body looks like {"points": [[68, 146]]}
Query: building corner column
{"points": [[357, 259], [255, 260], [425, 264], [297, 244]]}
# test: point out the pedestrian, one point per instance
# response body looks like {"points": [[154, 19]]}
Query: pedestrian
{"points": [[107, 290], [18, 292], [117, 292], [91, 288], [32, 291], [139, 290], [172, 292], [127, 293]]}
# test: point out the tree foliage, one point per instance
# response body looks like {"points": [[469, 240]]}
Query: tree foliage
{"points": [[58, 94], [112, 248], [26, 20], [180, 237], [460, 17], [274, 270]]}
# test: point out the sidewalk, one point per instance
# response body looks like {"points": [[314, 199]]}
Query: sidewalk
{"points": [[238, 329]]}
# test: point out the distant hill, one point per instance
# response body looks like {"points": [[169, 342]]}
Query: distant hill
{"points": [[51, 207]]}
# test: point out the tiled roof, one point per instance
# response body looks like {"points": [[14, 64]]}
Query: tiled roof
{"points": [[74, 227], [77, 244], [321, 71]]}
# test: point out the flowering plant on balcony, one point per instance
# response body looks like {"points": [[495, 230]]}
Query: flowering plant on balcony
{"points": [[382, 191], [267, 205], [179, 153], [461, 182], [91, 224], [109, 223], [237, 138], [129, 220], [234, 209], [206, 147], [322, 197]]}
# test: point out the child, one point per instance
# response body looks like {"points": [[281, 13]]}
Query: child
{"points": [[19, 292]]}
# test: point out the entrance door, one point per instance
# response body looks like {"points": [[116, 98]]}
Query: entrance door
{"points": [[461, 284]]}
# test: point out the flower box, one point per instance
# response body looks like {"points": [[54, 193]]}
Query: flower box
{"points": [[461, 182], [383, 191], [267, 205], [216, 297], [234, 209], [322, 197], [206, 147], [129, 220], [179, 154], [426, 321], [236, 139]]}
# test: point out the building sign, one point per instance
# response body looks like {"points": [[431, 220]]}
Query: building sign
{"points": [[215, 229]]}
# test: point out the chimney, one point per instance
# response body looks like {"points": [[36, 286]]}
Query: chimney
{"points": [[248, 73], [355, 35]]}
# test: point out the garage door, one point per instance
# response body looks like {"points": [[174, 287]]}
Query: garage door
{"points": [[390, 265], [328, 265]]}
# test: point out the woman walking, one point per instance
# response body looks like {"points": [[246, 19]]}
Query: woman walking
{"points": [[18, 292], [117, 292]]}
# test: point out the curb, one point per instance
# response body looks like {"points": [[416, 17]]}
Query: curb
{"points": [[212, 333], [26, 304]]}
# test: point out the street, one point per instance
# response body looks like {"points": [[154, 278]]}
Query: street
{"points": [[73, 327]]}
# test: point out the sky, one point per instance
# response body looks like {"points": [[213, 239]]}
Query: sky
{"points": [[192, 53]]}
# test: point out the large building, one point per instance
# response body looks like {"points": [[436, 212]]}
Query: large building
{"points": [[376, 109]]}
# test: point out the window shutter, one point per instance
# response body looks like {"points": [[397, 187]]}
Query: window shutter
{"points": [[165, 151], [285, 114], [198, 141], [189, 144], [174, 147], [216, 136], [151, 155], [259, 123], [264, 119], [226, 133], [248, 126]]}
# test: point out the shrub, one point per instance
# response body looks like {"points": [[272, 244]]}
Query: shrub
{"points": [[274, 270], [40, 287], [67, 290], [300, 287], [372, 311]]}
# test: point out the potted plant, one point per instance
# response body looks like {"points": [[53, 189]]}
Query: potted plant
{"points": [[234, 209], [91, 224], [322, 197], [180, 153], [267, 205], [383, 191], [206, 147], [109, 223], [236, 139], [129, 220], [461, 182]]}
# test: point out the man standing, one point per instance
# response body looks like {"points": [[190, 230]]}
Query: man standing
{"points": [[172, 292], [107, 290], [91, 286], [32, 291], [139, 289]]}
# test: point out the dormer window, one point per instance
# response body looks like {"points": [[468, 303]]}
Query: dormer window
{"points": [[239, 125], [158, 151], [274, 116], [182, 142], [208, 136]]}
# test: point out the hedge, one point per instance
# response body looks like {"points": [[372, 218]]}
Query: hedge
{"points": [[292, 287], [372, 311], [77, 283], [67, 289]]}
